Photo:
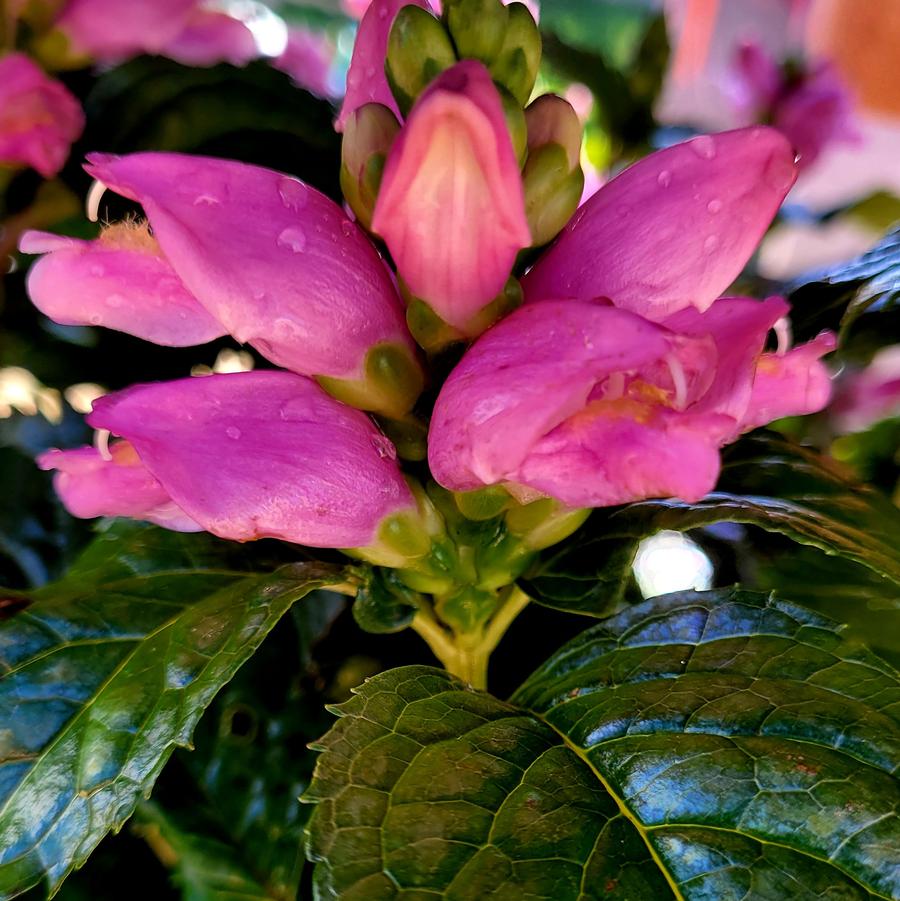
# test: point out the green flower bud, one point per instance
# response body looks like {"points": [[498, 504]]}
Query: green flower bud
{"points": [[544, 522], [368, 134], [419, 49], [516, 64], [552, 177], [485, 503], [392, 383], [477, 27]]}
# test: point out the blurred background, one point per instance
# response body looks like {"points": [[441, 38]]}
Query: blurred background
{"points": [[262, 83]]}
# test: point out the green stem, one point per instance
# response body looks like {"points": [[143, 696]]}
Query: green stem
{"points": [[459, 654]]}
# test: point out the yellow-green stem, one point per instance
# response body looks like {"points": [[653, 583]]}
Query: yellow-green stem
{"points": [[467, 656]]}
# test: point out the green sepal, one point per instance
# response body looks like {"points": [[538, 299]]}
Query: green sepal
{"points": [[368, 135], [484, 503], [516, 64], [392, 383], [477, 27], [552, 192], [384, 603], [418, 50]]}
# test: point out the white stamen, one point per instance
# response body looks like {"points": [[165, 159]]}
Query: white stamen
{"points": [[615, 386], [679, 380], [101, 442], [92, 200], [785, 336]]}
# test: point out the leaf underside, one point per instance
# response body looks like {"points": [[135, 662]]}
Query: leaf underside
{"points": [[702, 745], [106, 672]]}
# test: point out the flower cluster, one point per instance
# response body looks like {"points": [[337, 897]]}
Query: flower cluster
{"points": [[605, 369]]}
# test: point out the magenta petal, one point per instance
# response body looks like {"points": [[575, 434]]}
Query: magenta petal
{"points": [[524, 377], [120, 287], [262, 454], [739, 327], [451, 207], [90, 486], [39, 118], [366, 81], [790, 384], [600, 461], [109, 31], [673, 230], [210, 37], [308, 59], [276, 262]]}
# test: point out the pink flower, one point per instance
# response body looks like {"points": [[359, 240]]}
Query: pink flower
{"points": [[366, 81], [308, 60], [39, 118], [673, 230], [211, 37], [451, 206], [244, 456], [235, 249], [597, 406], [811, 107], [867, 396]]}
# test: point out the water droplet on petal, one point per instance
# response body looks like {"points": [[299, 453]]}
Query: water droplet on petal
{"points": [[233, 432], [96, 270], [382, 12], [711, 243], [714, 206], [289, 330], [347, 228], [293, 238], [704, 146], [206, 200], [779, 172], [664, 179], [293, 193], [383, 447], [370, 72], [115, 300]]}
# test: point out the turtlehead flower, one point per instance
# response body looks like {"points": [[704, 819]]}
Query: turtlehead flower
{"points": [[597, 406], [675, 229], [234, 249], [451, 206], [39, 118], [244, 456], [811, 107]]}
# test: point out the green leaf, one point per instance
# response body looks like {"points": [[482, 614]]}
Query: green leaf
{"points": [[712, 745], [205, 866], [106, 671], [836, 298], [766, 482]]}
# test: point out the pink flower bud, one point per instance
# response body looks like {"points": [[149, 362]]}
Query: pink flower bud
{"points": [[451, 206], [366, 81], [675, 229], [596, 406], [246, 455], [39, 118]]}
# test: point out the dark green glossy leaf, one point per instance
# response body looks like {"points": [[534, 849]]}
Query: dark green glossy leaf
{"points": [[106, 671], [706, 745], [766, 482], [835, 298]]}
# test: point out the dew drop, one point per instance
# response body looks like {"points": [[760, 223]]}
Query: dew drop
{"points": [[293, 238], [347, 228], [711, 243], [714, 206], [704, 146], [370, 72], [115, 300], [779, 173], [383, 447], [293, 193], [664, 179], [206, 200], [96, 270], [382, 12], [233, 432]]}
